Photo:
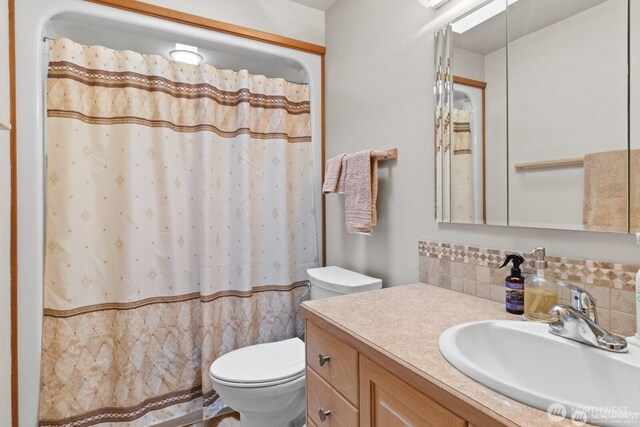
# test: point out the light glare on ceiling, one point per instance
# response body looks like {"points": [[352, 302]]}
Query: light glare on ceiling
{"points": [[187, 54], [479, 16], [433, 3]]}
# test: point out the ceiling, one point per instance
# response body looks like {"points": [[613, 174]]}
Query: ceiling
{"points": [[316, 4]]}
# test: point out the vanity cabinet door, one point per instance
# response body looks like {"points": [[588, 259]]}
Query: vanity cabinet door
{"points": [[387, 401]]}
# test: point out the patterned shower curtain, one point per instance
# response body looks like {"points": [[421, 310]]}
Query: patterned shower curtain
{"points": [[180, 225], [461, 168]]}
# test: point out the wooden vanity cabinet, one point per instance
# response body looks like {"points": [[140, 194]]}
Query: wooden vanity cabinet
{"points": [[346, 389], [387, 401]]}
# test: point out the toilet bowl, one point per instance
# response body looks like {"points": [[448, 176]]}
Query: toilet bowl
{"points": [[265, 382]]}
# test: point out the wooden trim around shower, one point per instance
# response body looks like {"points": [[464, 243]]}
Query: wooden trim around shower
{"points": [[480, 85], [13, 216], [211, 24], [158, 12]]}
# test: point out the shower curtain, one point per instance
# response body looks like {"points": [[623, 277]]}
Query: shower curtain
{"points": [[180, 224], [461, 168], [443, 160]]}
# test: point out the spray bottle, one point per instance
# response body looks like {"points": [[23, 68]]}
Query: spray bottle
{"points": [[514, 284]]}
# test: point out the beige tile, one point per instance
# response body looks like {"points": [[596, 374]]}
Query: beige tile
{"points": [[498, 293], [469, 271], [457, 269], [424, 277], [623, 301], [483, 290], [433, 278], [444, 266], [432, 264], [423, 264], [601, 295], [444, 281], [483, 274], [457, 284], [469, 287], [604, 318], [497, 276], [622, 323]]}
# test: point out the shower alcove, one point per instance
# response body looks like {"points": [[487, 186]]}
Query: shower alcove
{"points": [[93, 24]]}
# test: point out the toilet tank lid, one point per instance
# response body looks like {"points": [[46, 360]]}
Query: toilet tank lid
{"points": [[342, 280]]}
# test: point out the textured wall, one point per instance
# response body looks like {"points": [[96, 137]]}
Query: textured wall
{"points": [[379, 94]]}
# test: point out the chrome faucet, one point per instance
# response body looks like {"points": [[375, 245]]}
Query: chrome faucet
{"points": [[579, 322], [582, 301]]}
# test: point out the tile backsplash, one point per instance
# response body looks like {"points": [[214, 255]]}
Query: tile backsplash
{"points": [[476, 271]]}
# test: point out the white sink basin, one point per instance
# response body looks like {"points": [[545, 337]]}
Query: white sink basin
{"points": [[526, 363]]}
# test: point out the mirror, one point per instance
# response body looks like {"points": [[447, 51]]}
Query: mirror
{"points": [[568, 118], [545, 144], [634, 114], [471, 148]]}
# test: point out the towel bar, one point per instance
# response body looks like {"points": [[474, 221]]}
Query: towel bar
{"points": [[576, 161], [390, 154]]}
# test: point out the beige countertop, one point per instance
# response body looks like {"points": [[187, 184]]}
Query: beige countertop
{"points": [[404, 324]]}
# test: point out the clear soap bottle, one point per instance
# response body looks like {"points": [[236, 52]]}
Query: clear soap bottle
{"points": [[541, 291]]}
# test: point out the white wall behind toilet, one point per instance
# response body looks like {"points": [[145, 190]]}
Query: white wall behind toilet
{"points": [[379, 91]]}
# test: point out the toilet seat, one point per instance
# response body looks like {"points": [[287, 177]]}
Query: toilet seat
{"points": [[260, 365]]}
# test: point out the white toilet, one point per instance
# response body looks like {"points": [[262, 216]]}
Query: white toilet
{"points": [[265, 382]]}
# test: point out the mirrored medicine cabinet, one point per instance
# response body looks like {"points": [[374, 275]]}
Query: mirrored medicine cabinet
{"points": [[533, 100]]}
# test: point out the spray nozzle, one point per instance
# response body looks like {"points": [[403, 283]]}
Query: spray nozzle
{"points": [[517, 260]]}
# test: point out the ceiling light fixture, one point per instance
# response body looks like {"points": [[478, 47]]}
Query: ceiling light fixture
{"points": [[478, 16], [433, 3], [186, 53]]}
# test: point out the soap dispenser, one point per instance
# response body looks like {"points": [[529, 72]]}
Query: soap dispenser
{"points": [[514, 285], [541, 291]]}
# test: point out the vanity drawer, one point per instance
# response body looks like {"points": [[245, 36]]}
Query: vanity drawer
{"points": [[320, 396], [340, 370]]}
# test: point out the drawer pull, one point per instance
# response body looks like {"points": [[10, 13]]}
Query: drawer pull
{"points": [[323, 414], [322, 359]]}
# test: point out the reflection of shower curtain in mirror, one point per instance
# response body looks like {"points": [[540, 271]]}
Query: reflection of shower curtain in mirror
{"points": [[461, 168], [180, 225]]}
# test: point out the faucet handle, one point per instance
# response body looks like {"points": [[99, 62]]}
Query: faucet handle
{"points": [[575, 325], [582, 301]]}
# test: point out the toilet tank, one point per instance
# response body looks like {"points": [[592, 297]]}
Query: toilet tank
{"points": [[333, 281]]}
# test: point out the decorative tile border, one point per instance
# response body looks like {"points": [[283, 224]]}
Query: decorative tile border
{"points": [[605, 274], [476, 271]]}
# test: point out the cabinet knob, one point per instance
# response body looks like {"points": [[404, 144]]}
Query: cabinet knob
{"points": [[322, 359], [323, 414]]}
